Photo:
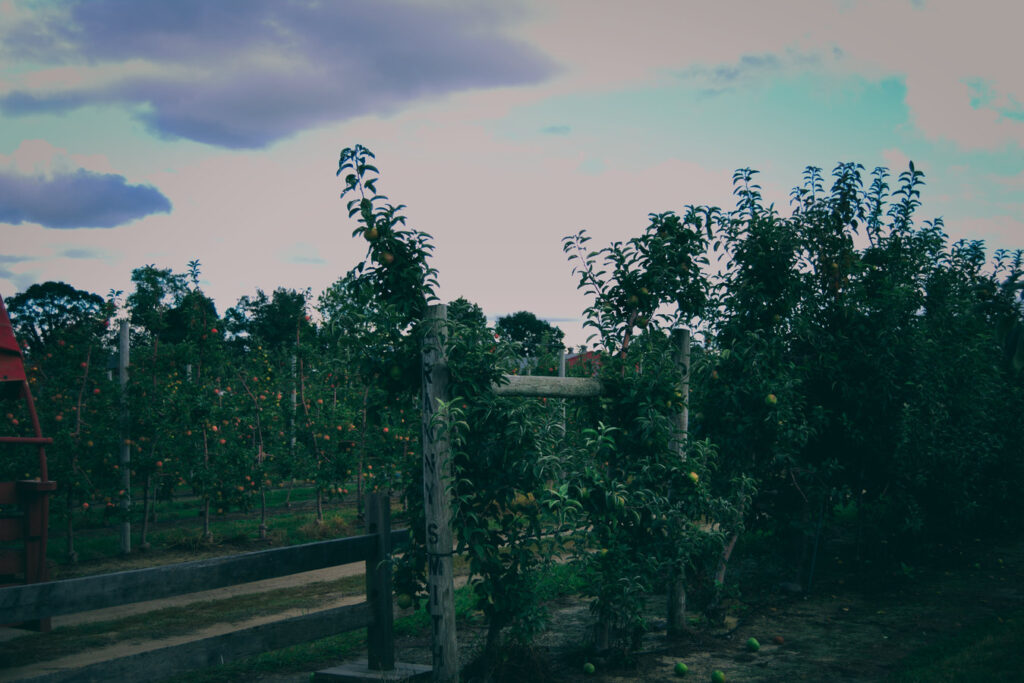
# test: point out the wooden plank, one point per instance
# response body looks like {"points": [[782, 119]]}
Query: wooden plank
{"points": [[35, 601], [8, 493], [550, 387], [12, 561], [12, 528], [31, 440], [158, 664]]}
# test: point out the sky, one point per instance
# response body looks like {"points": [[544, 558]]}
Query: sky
{"points": [[162, 131]]}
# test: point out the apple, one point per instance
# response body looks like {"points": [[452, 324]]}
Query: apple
{"points": [[371, 234], [588, 668], [85, 506], [680, 669], [717, 677], [779, 640], [753, 645], [387, 258], [694, 477], [404, 600], [771, 399]]}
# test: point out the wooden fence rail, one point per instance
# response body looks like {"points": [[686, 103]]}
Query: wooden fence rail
{"points": [[43, 600]]}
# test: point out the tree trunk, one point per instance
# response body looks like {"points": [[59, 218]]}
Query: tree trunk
{"points": [[723, 563], [143, 541], [207, 534], [72, 555], [677, 603], [263, 512]]}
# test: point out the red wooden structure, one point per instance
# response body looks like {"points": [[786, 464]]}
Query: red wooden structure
{"points": [[24, 505]]}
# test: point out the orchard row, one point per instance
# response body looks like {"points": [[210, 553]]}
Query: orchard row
{"points": [[855, 383]]}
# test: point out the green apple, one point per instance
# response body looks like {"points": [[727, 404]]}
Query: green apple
{"points": [[404, 601], [753, 645], [694, 477], [680, 669], [717, 677], [771, 399], [588, 668]]}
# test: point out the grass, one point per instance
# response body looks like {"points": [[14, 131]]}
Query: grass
{"points": [[287, 528], [97, 537], [990, 651], [560, 580]]}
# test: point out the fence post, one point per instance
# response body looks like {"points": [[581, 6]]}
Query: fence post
{"points": [[125, 460], [380, 634], [437, 477], [677, 585]]}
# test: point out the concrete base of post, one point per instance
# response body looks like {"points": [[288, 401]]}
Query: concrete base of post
{"points": [[359, 671]]}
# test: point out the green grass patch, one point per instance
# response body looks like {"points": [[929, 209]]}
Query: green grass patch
{"points": [[986, 652], [324, 653], [239, 534], [308, 657]]}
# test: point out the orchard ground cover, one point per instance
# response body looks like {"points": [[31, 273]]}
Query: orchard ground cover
{"points": [[946, 619]]}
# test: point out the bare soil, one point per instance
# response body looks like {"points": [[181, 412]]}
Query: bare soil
{"points": [[841, 632]]}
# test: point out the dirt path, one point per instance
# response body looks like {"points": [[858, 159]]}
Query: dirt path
{"points": [[837, 634]]}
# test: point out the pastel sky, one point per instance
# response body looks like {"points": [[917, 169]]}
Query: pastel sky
{"points": [[138, 132]]}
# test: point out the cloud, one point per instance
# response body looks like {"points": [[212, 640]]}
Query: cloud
{"points": [[20, 281], [935, 47], [77, 199], [245, 73], [81, 253], [303, 253], [556, 130]]}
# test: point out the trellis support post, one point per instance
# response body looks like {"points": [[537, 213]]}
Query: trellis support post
{"points": [[437, 477]]}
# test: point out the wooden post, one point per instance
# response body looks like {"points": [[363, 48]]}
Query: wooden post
{"points": [[125, 460], [437, 478], [380, 634], [677, 585], [561, 373]]}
